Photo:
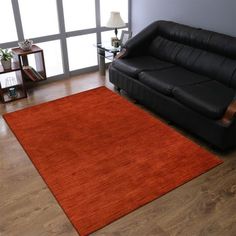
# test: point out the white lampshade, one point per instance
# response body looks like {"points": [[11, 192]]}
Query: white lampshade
{"points": [[115, 20]]}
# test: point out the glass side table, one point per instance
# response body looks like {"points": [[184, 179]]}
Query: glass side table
{"points": [[105, 51]]}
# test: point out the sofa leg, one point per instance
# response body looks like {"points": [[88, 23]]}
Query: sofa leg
{"points": [[117, 88]]}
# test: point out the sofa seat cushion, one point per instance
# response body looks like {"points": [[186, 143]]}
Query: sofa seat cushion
{"points": [[209, 98], [133, 66], [165, 80]]}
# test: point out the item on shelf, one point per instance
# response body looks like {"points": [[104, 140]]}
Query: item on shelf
{"points": [[26, 45], [12, 92], [6, 64], [116, 43], [32, 73], [125, 36], [113, 39], [12, 85], [6, 57]]}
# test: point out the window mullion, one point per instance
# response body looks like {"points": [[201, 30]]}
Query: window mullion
{"points": [[98, 20], [61, 19], [129, 15], [17, 17]]}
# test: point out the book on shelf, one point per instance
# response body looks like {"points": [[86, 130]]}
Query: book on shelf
{"points": [[32, 73]]}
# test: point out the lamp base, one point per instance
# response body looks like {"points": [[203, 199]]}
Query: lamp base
{"points": [[115, 42]]}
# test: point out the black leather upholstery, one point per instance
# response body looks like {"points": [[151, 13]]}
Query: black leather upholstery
{"points": [[210, 98], [203, 39], [186, 74], [204, 62], [133, 66], [165, 81]]}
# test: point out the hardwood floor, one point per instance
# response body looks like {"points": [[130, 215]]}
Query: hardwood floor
{"points": [[205, 206]]}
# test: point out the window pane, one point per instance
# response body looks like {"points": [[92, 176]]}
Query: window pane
{"points": [[39, 18], [79, 14], [52, 57], [81, 51], [113, 5], [8, 28]]}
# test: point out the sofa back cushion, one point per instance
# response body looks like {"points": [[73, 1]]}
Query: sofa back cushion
{"points": [[201, 51], [199, 38]]}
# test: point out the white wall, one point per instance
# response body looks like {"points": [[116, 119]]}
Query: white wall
{"points": [[216, 15]]}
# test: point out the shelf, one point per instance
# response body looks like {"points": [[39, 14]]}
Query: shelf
{"points": [[12, 82], [22, 72], [15, 86], [21, 52], [12, 79], [14, 67], [20, 94]]}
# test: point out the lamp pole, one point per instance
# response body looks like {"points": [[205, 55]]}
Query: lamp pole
{"points": [[116, 32]]}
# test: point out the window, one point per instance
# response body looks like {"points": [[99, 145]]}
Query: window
{"points": [[8, 29], [39, 18], [79, 14], [81, 51], [52, 57], [67, 47]]}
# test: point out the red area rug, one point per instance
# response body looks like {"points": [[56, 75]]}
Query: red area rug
{"points": [[102, 157]]}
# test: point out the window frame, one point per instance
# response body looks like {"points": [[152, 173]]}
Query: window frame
{"points": [[63, 35]]}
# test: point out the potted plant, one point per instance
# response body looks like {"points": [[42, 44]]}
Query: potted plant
{"points": [[6, 56]]}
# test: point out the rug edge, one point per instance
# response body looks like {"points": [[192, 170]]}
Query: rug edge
{"points": [[220, 162], [57, 99]]}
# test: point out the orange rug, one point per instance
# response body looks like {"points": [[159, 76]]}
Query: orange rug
{"points": [[102, 157]]}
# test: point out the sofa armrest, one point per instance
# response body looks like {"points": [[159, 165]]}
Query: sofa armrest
{"points": [[230, 113], [138, 44], [121, 54]]}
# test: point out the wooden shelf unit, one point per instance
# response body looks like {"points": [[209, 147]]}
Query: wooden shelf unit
{"points": [[30, 73], [16, 82], [23, 72]]}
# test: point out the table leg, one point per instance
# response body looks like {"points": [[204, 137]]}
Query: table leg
{"points": [[101, 62]]}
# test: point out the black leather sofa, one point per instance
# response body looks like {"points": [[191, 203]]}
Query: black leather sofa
{"points": [[185, 74]]}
